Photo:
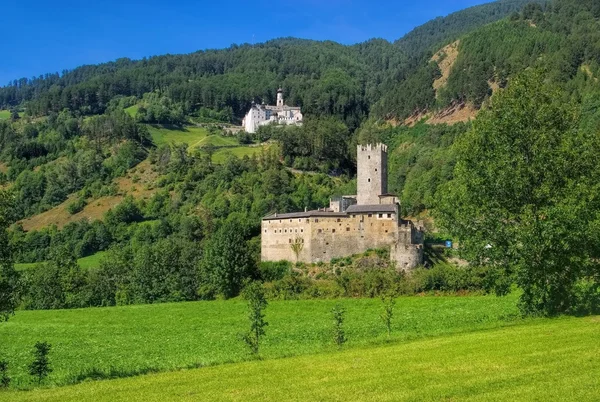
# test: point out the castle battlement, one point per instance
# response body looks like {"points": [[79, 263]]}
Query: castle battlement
{"points": [[371, 147]]}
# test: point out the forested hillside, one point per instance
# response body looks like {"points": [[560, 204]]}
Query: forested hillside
{"points": [[70, 140], [324, 78]]}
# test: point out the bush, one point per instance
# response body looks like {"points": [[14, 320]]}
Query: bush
{"points": [[76, 206], [273, 271]]}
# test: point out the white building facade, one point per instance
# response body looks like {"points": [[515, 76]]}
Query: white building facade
{"points": [[260, 115]]}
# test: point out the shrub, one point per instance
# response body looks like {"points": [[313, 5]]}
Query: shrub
{"points": [[274, 271], [4, 378], [76, 206], [40, 366], [339, 335], [255, 296], [388, 312]]}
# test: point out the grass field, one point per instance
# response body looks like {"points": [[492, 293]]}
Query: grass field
{"points": [[199, 137], [221, 155], [163, 337], [132, 110], [4, 114], [190, 135], [91, 261], [543, 360]]}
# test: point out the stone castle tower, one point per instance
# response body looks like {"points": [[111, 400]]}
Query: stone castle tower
{"points": [[372, 173], [280, 98]]}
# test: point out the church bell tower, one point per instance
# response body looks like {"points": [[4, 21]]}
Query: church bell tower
{"points": [[280, 98]]}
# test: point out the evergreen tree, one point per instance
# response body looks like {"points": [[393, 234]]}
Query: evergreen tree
{"points": [[40, 366]]}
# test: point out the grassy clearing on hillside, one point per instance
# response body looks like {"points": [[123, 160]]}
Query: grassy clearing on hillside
{"points": [[543, 360], [132, 110], [221, 155], [4, 114], [92, 261], [133, 339]]}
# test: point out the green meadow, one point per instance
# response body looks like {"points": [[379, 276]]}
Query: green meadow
{"points": [[190, 135], [132, 110], [537, 361], [120, 341], [4, 114], [197, 137], [221, 155], [91, 261]]}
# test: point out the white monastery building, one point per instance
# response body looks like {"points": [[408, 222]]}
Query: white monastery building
{"points": [[260, 115]]}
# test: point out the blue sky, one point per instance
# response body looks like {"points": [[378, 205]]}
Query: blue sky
{"points": [[42, 36]]}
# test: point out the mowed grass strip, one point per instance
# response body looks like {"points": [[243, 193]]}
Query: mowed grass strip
{"points": [[221, 155], [92, 261], [167, 134], [162, 337], [541, 360]]}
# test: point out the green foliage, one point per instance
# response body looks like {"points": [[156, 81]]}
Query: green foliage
{"points": [[525, 180], [339, 334], [77, 206], [159, 110], [274, 270], [4, 378], [40, 366], [9, 278], [226, 263], [388, 312], [255, 297]]}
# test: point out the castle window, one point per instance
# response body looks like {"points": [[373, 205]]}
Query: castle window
{"points": [[290, 240], [370, 215], [319, 231], [299, 220], [316, 221], [339, 220], [347, 229], [375, 169], [380, 215], [290, 221], [369, 180], [301, 230], [369, 157], [332, 230], [389, 215], [296, 230], [285, 230], [265, 230]]}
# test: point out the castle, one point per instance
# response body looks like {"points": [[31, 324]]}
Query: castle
{"points": [[260, 115], [352, 224]]}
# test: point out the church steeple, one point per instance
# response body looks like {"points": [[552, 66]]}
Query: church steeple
{"points": [[280, 98]]}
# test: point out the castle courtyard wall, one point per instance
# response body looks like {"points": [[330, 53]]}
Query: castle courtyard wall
{"points": [[324, 238]]}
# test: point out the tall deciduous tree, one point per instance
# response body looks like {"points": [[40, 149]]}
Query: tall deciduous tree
{"points": [[226, 261], [524, 199]]}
